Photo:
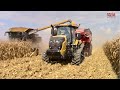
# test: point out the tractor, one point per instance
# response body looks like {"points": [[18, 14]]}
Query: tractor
{"points": [[66, 43]]}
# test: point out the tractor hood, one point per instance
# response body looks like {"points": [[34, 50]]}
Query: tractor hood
{"points": [[58, 38], [56, 41]]}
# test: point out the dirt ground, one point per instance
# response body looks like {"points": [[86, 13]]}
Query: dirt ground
{"points": [[96, 66]]}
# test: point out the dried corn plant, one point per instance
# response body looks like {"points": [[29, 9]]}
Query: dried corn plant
{"points": [[15, 49], [112, 51]]}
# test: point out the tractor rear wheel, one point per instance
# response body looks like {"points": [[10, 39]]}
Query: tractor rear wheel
{"points": [[88, 50], [78, 57]]}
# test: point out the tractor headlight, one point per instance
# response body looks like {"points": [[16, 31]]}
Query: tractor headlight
{"points": [[59, 47], [57, 41], [51, 41]]}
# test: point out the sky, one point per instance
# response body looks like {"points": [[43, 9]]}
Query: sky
{"points": [[102, 27]]}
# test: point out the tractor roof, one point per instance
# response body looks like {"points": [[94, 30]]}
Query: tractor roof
{"points": [[19, 29], [73, 24], [68, 25]]}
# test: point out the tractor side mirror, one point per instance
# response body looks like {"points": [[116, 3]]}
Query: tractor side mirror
{"points": [[53, 31], [78, 36]]}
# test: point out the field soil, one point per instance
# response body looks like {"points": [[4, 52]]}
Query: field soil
{"points": [[97, 66]]}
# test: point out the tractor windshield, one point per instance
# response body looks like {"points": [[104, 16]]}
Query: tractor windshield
{"points": [[64, 31], [68, 31]]}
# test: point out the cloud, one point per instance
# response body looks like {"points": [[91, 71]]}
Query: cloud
{"points": [[38, 16], [2, 24], [100, 37], [118, 30], [96, 20], [42, 18], [108, 31]]}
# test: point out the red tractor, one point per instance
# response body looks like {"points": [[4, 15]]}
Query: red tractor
{"points": [[86, 38]]}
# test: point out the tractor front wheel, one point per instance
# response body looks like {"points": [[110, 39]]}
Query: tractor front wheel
{"points": [[78, 57], [45, 57]]}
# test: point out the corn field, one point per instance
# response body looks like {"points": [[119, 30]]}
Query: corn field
{"points": [[16, 63], [15, 49], [112, 51]]}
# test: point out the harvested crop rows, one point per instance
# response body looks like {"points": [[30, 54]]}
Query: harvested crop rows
{"points": [[96, 66]]}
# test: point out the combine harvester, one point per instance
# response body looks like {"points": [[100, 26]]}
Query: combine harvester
{"points": [[67, 41], [22, 33]]}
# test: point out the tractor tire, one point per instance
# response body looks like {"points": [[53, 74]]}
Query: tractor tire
{"points": [[45, 58], [78, 57], [90, 51]]}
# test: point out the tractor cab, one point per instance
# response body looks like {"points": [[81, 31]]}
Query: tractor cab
{"points": [[65, 30], [64, 43], [62, 40]]}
